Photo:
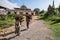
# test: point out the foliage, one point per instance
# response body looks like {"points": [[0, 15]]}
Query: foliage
{"points": [[52, 18], [9, 21], [54, 27], [59, 8], [41, 11], [37, 10]]}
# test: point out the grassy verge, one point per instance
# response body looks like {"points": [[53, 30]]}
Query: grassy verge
{"points": [[53, 23], [54, 27], [7, 22]]}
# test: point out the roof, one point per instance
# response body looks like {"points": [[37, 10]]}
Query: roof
{"points": [[2, 7], [23, 7]]}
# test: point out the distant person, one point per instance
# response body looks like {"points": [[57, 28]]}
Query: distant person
{"points": [[28, 18]]}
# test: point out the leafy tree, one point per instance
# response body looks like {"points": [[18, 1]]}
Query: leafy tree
{"points": [[42, 11], [50, 12], [37, 10]]}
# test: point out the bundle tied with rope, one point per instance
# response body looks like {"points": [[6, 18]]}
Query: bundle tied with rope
{"points": [[20, 17]]}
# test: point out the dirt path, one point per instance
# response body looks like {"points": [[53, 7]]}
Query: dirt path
{"points": [[37, 31], [12, 28]]}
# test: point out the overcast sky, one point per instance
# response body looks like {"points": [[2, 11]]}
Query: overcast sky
{"points": [[41, 4]]}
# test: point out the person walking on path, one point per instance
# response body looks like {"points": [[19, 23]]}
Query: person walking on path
{"points": [[18, 21], [28, 18]]}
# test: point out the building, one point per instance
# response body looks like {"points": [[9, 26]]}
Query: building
{"points": [[3, 10], [23, 10]]}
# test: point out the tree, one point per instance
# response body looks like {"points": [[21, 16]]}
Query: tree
{"points": [[37, 10], [59, 8], [50, 12], [42, 11]]}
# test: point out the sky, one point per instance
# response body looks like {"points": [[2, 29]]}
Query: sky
{"points": [[41, 4]]}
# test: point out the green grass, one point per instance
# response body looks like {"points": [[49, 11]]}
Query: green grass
{"points": [[55, 28], [7, 22], [52, 21]]}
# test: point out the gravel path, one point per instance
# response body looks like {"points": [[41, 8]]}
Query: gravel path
{"points": [[37, 31]]}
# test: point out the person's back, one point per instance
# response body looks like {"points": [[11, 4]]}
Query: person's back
{"points": [[17, 20], [17, 16], [28, 17]]}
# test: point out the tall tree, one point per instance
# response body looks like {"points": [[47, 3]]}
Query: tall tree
{"points": [[59, 8], [37, 10]]}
